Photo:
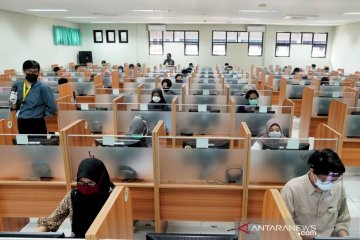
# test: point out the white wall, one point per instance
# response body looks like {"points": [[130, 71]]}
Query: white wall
{"points": [[26, 37], [300, 55], [346, 48]]}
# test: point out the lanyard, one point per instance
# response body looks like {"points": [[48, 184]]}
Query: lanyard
{"points": [[25, 91]]}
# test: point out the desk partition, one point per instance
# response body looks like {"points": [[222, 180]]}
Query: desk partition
{"points": [[127, 111], [352, 123], [4, 112], [264, 98], [124, 159], [213, 119], [206, 98], [83, 88], [322, 100], [100, 115], [256, 121], [31, 158]]}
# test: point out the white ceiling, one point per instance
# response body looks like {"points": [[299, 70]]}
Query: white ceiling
{"points": [[324, 12]]}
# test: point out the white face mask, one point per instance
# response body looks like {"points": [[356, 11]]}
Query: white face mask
{"points": [[275, 134], [156, 99]]}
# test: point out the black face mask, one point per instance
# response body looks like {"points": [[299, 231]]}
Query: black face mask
{"points": [[166, 89], [31, 77]]}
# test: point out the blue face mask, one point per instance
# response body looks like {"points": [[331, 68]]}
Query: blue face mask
{"points": [[274, 134], [253, 102], [325, 186]]}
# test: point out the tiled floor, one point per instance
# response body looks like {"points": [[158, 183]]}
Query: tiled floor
{"points": [[351, 183]]}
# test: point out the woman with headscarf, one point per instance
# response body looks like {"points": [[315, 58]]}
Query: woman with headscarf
{"points": [[157, 102], [271, 137], [83, 203]]}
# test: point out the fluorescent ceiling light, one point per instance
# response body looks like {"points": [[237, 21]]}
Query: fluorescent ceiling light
{"points": [[154, 17], [352, 13], [79, 17], [47, 10], [258, 11], [103, 22], [149, 10]]}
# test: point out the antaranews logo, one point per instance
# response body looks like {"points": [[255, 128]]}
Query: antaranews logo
{"points": [[302, 230]]}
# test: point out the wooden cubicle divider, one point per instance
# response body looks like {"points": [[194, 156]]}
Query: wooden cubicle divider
{"points": [[282, 90], [349, 148], [275, 213], [7, 127], [158, 131], [80, 126], [323, 131], [53, 122], [288, 108], [65, 89], [174, 109], [116, 107], [282, 96], [114, 221], [115, 79], [306, 111]]}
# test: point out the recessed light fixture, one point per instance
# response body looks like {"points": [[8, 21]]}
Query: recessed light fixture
{"points": [[47, 10], [300, 17], [159, 17], [78, 17], [149, 10], [257, 11], [352, 13], [105, 22]]}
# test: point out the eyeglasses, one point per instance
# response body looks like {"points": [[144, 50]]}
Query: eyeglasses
{"points": [[32, 71], [91, 183], [329, 179]]}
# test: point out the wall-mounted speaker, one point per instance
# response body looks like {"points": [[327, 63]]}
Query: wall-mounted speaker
{"points": [[85, 57]]}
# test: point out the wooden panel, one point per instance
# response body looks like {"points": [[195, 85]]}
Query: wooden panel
{"points": [[323, 131], [201, 204], [36, 199], [274, 213], [315, 122], [337, 115], [13, 224], [114, 220], [306, 109], [143, 203], [85, 99], [297, 109], [351, 152]]}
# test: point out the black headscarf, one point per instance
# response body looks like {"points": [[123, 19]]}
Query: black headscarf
{"points": [[86, 207], [161, 105]]}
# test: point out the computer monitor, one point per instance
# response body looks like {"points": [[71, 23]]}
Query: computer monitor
{"points": [[40, 140], [324, 104], [283, 146], [184, 236], [121, 143], [215, 144], [353, 126], [32, 235]]}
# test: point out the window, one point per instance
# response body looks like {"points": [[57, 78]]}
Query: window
{"points": [[231, 37], [282, 48], [243, 37], [191, 43], [255, 44], [219, 43], [307, 38], [319, 45], [189, 38], [168, 36], [296, 38], [156, 46]]}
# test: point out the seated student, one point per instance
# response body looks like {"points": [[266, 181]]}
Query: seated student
{"points": [[326, 69], [132, 70], [157, 101], [317, 198], [139, 67], [56, 71], [273, 130], [179, 78], [229, 68], [324, 81], [166, 85], [121, 72], [103, 63], [138, 128], [252, 98], [246, 88], [184, 73], [76, 68], [295, 71], [191, 65], [313, 67], [83, 203]]}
